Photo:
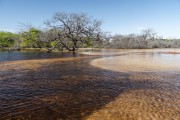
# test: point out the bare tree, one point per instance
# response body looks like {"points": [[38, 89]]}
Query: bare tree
{"points": [[148, 38], [176, 43], [73, 29], [124, 41]]}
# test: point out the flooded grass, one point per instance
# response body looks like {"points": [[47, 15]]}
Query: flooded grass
{"points": [[69, 86]]}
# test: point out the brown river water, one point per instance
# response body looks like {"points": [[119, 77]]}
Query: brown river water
{"points": [[104, 85]]}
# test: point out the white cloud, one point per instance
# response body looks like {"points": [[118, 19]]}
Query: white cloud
{"points": [[8, 30], [141, 28]]}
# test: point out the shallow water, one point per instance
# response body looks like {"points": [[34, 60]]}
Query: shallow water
{"points": [[14, 56], [140, 62], [110, 84]]}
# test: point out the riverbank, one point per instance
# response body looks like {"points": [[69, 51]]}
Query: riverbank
{"points": [[98, 51], [47, 50]]}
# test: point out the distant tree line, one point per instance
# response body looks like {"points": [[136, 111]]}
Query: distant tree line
{"points": [[147, 39], [72, 31]]}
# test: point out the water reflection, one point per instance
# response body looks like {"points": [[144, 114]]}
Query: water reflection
{"points": [[68, 87], [13, 56]]}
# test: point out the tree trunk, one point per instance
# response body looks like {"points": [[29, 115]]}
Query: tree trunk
{"points": [[74, 46]]}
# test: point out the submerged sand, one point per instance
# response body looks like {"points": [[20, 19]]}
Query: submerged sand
{"points": [[139, 61]]}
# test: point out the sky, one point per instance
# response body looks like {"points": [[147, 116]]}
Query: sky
{"points": [[118, 16]]}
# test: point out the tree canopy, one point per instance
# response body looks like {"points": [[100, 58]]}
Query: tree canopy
{"points": [[73, 29], [31, 38], [7, 39]]}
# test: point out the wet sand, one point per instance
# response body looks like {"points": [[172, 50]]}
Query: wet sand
{"points": [[92, 87]]}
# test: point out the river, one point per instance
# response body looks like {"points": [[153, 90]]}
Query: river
{"points": [[107, 85]]}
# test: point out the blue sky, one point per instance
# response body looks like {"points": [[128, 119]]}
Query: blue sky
{"points": [[119, 16]]}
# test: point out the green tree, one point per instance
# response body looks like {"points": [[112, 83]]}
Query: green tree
{"points": [[31, 38], [7, 39]]}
